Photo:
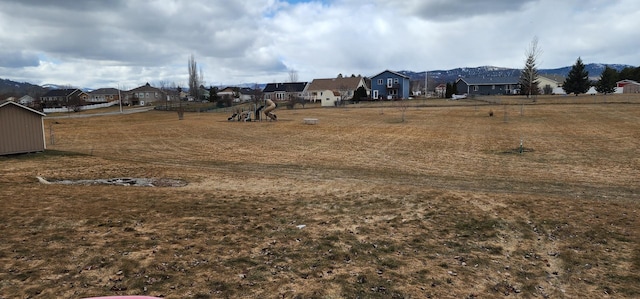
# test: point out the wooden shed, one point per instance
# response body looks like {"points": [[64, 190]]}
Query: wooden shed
{"points": [[21, 129]]}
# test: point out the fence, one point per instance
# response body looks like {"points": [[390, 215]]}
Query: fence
{"points": [[85, 107]]}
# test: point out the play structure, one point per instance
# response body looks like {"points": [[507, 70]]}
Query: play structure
{"points": [[270, 107], [255, 112]]}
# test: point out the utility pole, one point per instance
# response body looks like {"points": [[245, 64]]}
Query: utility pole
{"points": [[120, 98]]}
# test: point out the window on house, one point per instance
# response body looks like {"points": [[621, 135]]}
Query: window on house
{"points": [[395, 81], [380, 82], [493, 87], [475, 88]]}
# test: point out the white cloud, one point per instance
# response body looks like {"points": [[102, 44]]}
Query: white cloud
{"points": [[90, 43]]}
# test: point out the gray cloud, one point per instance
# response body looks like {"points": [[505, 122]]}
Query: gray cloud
{"points": [[18, 59], [96, 42], [448, 10]]}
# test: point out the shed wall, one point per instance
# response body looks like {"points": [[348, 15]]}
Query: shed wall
{"points": [[21, 131]]}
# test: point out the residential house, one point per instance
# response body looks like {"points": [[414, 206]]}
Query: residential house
{"points": [[441, 90], [238, 94], [550, 82], [26, 100], [104, 95], [334, 90], [144, 95], [247, 94], [390, 85], [487, 85], [64, 97], [284, 91], [228, 92], [21, 129]]}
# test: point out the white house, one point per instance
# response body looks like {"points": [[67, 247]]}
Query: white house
{"points": [[331, 91], [553, 81]]}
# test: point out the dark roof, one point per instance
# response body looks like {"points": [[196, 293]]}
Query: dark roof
{"points": [[490, 80], [392, 72], [285, 87], [59, 92], [105, 91], [246, 90]]}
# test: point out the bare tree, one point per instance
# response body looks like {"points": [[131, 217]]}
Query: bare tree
{"points": [[293, 76], [194, 78], [529, 75], [344, 92]]}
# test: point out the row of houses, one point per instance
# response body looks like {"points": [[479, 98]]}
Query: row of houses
{"points": [[329, 91], [510, 85], [387, 85], [141, 95]]}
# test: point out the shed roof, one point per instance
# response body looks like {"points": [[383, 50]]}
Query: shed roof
{"points": [[5, 103]]}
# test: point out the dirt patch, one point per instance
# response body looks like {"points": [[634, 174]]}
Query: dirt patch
{"points": [[136, 182]]}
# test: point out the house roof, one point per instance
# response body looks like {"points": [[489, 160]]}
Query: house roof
{"points": [[285, 87], [26, 98], [59, 92], [105, 91], [392, 72], [2, 104], [350, 83], [490, 80], [553, 77], [146, 87], [246, 90], [628, 82]]}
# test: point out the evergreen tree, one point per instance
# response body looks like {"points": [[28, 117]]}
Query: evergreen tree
{"points": [[607, 82], [577, 81], [630, 73], [359, 94], [529, 75], [449, 91]]}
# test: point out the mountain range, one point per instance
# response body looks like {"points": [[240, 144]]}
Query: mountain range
{"points": [[444, 76], [11, 88]]}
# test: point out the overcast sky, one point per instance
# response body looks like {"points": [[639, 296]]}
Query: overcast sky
{"points": [[111, 43]]}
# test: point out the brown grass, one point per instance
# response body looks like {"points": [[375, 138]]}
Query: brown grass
{"points": [[440, 205]]}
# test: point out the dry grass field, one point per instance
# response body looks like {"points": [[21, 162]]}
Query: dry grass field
{"points": [[360, 205]]}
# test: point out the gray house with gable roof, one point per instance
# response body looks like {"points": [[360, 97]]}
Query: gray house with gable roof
{"points": [[488, 85]]}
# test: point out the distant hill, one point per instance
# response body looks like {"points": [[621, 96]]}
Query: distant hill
{"points": [[10, 88], [443, 76]]}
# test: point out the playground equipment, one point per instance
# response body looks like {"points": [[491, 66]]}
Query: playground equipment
{"points": [[255, 111], [241, 116], [270, 107]]}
